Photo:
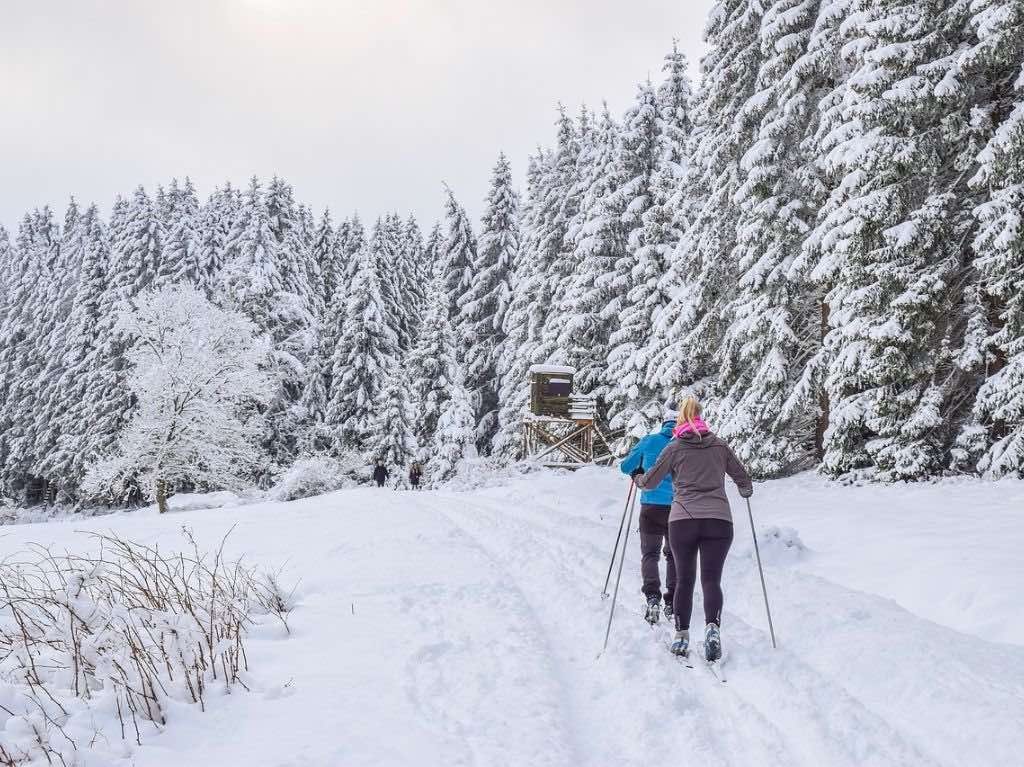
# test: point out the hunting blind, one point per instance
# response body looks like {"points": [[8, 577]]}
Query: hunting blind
{"points": [[561, 428]]}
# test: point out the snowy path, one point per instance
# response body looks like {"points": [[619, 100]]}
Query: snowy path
{"points": [[463, 629]]}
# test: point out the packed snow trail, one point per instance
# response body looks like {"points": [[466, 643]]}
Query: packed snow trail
{"points": [[462, 628]]}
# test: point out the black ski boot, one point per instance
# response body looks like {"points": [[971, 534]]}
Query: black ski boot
{"points": [[669, 612]]}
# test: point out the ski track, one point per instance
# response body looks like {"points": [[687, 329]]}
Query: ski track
{"points": [[514, 658], [791, 706]]}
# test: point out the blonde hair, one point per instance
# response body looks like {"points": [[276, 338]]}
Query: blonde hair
{"points": [[689, 412]]}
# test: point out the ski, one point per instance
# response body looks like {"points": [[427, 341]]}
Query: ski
{"points": [[683, 659], [713, 666]]}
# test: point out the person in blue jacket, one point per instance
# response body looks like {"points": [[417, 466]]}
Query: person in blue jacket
{"points": [[655, 505]]}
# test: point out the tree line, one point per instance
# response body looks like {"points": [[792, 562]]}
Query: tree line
{"points": [[822, 240]]}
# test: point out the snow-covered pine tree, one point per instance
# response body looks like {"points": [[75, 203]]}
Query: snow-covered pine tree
{"points": [[363, 356], [32, 323], [55, 350], [392, 441], [299, 279], [546, 262], [432, 249], [890, 242], [327, 254], [666, 220], [485, 304], [455, 438], [180, 262], [598, 239], [776, 312], [351, 245], [557, 209], [992, 442], [313, 403], [386, 245], [138, 247], [9, 268], [430, 364], [415, 274], [216, 222], [457, 256], [198, 379], [314, 279], [265, 277], [84, 341], [579, 142], [517, 353], [701, 276], [632, 281]]}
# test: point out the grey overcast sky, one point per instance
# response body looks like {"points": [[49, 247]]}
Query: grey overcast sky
{"points": [[365, 105]]}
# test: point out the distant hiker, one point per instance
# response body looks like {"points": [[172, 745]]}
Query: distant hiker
{"points": [[415, 474], [380, 474], [700, 520], [655, 506]]}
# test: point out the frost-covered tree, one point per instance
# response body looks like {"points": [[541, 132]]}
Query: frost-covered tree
{"points": [[518, 350], [701, 275], [197, 377], [87, 340], [393, 442], [633, 279], [415, 275], [180, 262], [484, 306], [138, 239], [559, 218], [598, 239], [558, 191], [387, 253], [889, 244], [266, 279], [455, 438], [365, 353], [50, 342], [766, 411], [216, 221], [430, 364], [35, 309], [432, 250], [456, 257], [327, 254], [993, 439]]}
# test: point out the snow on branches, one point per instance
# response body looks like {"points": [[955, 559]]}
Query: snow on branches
{"points": [[199, 380]]}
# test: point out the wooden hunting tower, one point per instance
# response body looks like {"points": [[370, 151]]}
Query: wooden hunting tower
{"points": [[550, 389], [561, 428]]}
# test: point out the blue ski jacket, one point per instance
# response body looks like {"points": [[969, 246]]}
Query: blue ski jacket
{"points": [[643, 456]]}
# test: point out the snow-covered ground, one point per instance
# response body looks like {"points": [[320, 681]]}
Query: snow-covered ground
{"points": [[444, 628]]}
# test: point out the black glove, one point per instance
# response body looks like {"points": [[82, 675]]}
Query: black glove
{"points": [[746, 492], [637, 472]]}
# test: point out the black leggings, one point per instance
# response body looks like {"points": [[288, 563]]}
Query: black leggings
{"points": [[712, 538]]}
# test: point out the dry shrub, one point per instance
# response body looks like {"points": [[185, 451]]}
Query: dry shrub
{"points": [[95, 647]]}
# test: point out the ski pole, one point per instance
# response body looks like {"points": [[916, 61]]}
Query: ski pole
{"points": [[622, 559], [608, 577], [760, 570]]}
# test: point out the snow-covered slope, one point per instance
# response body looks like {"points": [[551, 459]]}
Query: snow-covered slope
{"points": [[443, 628]]}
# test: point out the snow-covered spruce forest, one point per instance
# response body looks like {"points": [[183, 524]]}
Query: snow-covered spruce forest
{"points": [[822, 238]]}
